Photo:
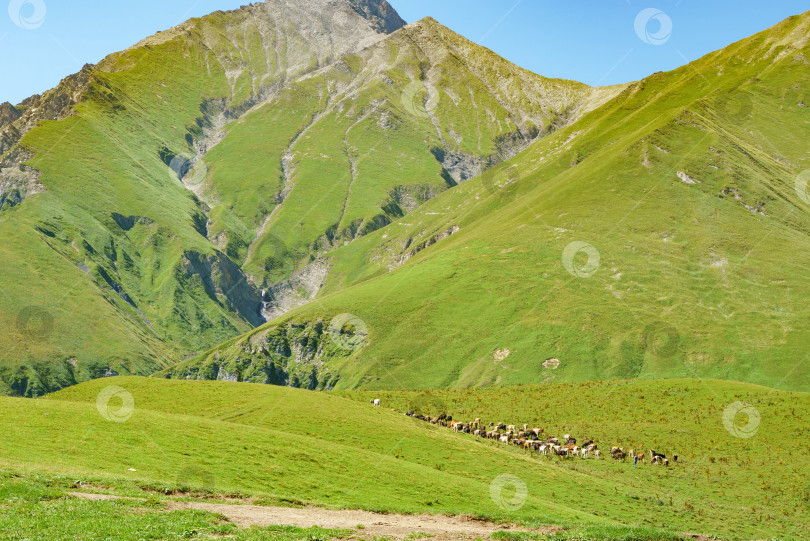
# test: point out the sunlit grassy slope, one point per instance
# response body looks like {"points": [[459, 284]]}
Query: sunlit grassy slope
{"points": [[658, 236], [359, 144], [320, 448], [121, 265]]}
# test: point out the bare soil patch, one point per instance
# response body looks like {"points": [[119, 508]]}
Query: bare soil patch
{"points": [[439, 527]]}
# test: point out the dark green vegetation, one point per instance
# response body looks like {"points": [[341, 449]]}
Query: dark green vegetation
{"points": [[287, 445], [658, 236]]}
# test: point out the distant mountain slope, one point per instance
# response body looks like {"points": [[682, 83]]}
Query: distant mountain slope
{"points": [[363, 142], [148, 200], [658, 236], [107, 264]]}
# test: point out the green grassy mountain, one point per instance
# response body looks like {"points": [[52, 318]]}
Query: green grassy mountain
{"points": [[287, 446], [148, 200], [659, 235]]}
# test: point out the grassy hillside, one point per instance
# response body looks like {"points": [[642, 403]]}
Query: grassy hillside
{"points": [[230, 154], [363, 142], [655, 237], [291, 445]]}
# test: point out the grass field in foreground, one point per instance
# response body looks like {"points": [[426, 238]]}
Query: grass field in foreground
{"points": [[283, 444], [37, 507]]}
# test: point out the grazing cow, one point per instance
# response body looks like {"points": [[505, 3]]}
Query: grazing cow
{"points": [[543, 449], [561, 451], [666, 462], [654, 455], [443, 416], [409, 413], [584, 452], [500, 426], [566, 437], [619, 454], [587, 443], [597, 453], [674, 458], [376, 402], [505, 439]]}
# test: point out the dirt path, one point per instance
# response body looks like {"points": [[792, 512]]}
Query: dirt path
{"points": [[374, 524]]}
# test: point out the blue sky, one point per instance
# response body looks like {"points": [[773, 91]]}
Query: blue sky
{"points": [[597, 41]]}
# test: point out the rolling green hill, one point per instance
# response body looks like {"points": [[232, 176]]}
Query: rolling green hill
{"points": [[127, 435], [657, 236]]}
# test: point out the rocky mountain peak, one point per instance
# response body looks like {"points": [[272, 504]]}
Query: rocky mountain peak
{"points": [[8, 114], [383, 17]]}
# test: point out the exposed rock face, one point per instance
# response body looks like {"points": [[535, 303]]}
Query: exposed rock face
{"points": [[17, 181], [293, 354], [299, 289], [55, 104], [380, 13], [223, 280], [8, 114]]}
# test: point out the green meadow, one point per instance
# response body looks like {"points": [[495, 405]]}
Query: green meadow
{"points": [[286, 446]]}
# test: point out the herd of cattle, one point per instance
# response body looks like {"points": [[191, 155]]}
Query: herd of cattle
{"points": [[532, 439]]}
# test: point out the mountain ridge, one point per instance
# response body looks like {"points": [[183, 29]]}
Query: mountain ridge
{"points": [[707, 128]]}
